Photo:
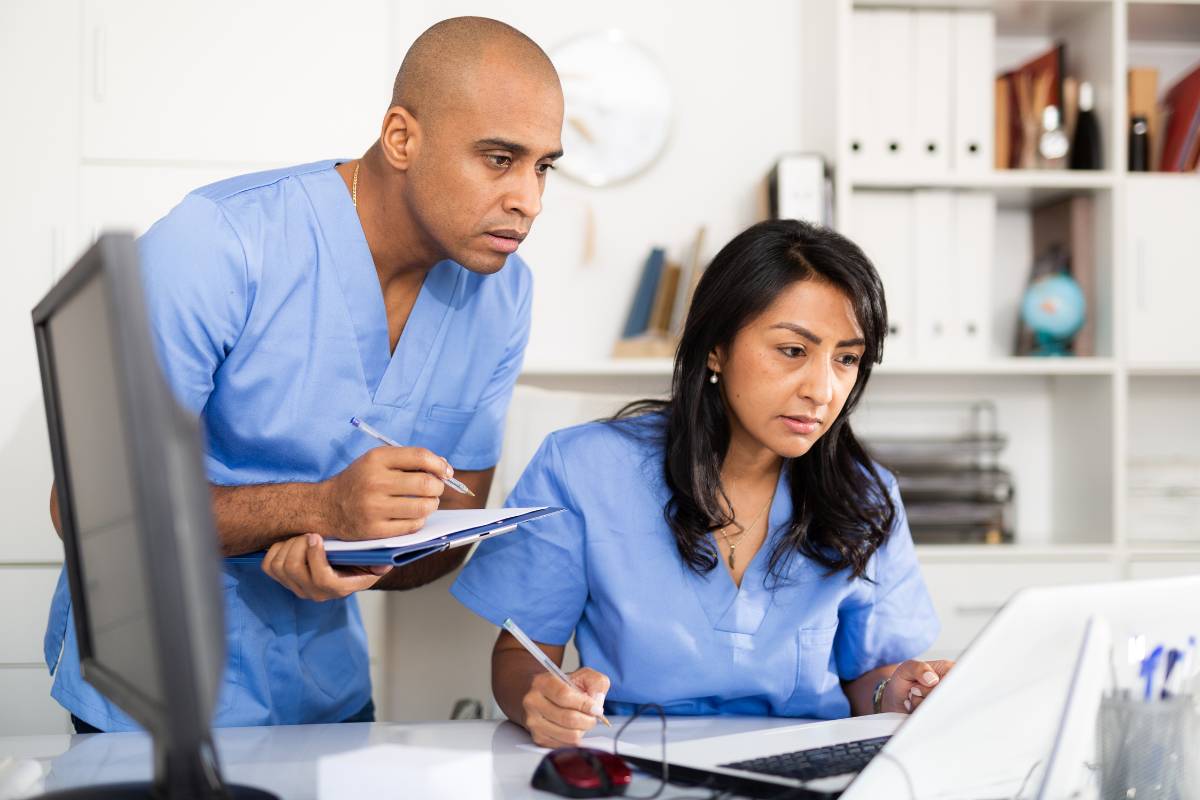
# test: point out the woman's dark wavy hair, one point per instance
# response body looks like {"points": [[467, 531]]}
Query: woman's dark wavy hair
{"points": [[842, 509]]}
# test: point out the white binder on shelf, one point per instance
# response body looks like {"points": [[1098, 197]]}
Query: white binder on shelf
{"points": [[933, 213], [882, 224], [972, 254], [932, 84], [973, 36], [893, 47], [863, 147]]}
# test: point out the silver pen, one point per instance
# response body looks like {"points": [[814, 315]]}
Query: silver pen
{"points": [[453, 483]]}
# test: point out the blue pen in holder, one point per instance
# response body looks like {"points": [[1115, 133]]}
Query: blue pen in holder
{"points": [[1148, 749]]}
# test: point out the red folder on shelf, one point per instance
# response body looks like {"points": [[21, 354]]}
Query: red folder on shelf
{"points": [[1182, 138]]}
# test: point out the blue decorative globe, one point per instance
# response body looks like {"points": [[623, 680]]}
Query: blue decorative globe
{"points": [[1055, 309]]}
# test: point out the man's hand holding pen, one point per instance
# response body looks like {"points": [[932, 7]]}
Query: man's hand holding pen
{"points": [[387, 491]]}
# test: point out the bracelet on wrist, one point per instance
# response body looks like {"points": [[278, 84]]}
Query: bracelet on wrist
{"points": [[877, 701]]}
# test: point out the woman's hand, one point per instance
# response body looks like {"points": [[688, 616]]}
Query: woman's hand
{"points": [[911, 683], [557, 715]]}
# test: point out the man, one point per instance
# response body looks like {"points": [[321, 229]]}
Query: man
{"points": [[284, 303]]}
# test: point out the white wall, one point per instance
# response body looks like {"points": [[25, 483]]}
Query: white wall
{"points": [[735, 75]]}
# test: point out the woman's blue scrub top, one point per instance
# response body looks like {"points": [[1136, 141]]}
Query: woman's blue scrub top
{"points": [[607, 570], [270, 325]]}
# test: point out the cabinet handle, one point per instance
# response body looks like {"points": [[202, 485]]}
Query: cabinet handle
{"points": [[1140, 290], [99, 64], [54, 254], [977, 609]]}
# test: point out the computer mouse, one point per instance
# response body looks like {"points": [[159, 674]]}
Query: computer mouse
{"points": [[582, 772]]}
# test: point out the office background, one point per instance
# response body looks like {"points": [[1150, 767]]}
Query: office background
{"points": [[115, 108]]}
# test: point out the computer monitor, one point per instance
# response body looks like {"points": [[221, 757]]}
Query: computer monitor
{"points": [[140, 547]]}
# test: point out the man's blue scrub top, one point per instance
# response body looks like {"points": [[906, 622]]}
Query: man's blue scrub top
{"points": [[270, 325], [608, 571]]}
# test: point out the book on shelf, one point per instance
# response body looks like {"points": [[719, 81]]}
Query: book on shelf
{"points": [[688, 278], [1003, 152], [1181, 135], [647, 345], [664, 299], [1070, 106], [660, 304], [642, 307]]}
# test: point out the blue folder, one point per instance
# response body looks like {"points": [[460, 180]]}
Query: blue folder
{"points": [[399, 556]]}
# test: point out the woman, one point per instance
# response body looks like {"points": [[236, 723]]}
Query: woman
{"points": [[731, 550]]}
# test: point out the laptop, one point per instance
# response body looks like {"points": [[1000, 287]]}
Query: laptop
{"points": [[994, 727]]}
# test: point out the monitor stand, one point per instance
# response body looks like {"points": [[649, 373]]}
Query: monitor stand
{"points": [[148, 791], [180, 773]]}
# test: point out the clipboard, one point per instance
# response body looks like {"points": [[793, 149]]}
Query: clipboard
{"points": [[443, 530]]}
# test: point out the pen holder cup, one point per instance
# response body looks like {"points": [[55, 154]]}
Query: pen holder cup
{"points": [[1148, 750]]}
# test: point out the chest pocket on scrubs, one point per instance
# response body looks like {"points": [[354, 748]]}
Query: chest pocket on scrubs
{"points": [[441, 428], [816, 676]]}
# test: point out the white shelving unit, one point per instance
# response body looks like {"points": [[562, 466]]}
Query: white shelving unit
{"points": [[1073, 424]]}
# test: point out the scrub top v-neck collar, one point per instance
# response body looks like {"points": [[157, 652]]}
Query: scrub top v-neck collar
{"points": [[742, 609], [390, 378]]}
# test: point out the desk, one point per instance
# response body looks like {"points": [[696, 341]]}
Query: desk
{"points": [[284, 759]]}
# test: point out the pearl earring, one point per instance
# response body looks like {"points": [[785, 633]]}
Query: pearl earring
{"points": [[712, 378]]}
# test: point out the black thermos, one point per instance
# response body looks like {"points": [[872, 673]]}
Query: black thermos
{"points": [[1139, 145], [1085, 149]]}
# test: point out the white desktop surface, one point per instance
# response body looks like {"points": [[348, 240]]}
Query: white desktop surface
{"points": [[284, 759]]}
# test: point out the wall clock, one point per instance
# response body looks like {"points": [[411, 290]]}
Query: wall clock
{"points": [[618, 108]]}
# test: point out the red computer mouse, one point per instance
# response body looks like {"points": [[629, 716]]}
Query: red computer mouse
{"points": [[582, 772]]}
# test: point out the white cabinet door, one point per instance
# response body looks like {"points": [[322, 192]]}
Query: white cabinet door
{"points": [[373, 606], [1164, 263], [39, 60], [25, 594], [967, 594], [234, 80], [1156, 568], [28, 709]]}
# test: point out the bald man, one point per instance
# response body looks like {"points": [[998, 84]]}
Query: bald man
{"points": [[386, 287]]}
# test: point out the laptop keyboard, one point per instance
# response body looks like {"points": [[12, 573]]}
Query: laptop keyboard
{"points": [[819, 762]]}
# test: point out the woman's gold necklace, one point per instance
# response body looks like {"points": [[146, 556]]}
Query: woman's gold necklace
{"points": [[732, 544], [354, 184]]}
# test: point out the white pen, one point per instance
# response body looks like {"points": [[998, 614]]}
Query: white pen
{"points": [[544, 659], [453, 483]]}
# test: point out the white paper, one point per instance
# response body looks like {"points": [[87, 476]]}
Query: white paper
{"points": [[390, 770], [439, 524]]}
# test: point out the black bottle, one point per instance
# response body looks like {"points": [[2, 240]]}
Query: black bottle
{"points": [[1085, 148], [1139, 145]]}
